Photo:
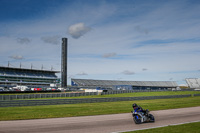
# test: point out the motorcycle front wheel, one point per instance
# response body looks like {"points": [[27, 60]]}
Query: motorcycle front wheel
{"points": [[151, 117]]}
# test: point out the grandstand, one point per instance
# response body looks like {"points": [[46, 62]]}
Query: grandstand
{"points": [[117, 85], [10, 76], [193, 83]]}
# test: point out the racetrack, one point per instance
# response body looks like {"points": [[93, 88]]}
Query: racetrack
{"points": [[100, 123]]}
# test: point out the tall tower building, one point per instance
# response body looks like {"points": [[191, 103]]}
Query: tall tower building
{"points": [[64, 63]]}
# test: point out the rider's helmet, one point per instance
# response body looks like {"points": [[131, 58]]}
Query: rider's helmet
{"points": [[134, 105]]}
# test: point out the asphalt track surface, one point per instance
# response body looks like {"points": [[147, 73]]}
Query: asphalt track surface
{"points": [[101, 123]]}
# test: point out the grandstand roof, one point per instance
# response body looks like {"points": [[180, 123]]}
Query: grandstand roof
{"points": [[26, 69], [91, 82]]}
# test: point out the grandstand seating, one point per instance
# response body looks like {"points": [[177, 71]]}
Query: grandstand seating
{"points": [[193, 83], [27, 76], [114, 83]]}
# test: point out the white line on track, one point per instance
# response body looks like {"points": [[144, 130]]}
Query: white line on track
{"points": [[157, 127]]}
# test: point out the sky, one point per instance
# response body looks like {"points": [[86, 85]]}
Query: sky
{"points": [[134, 40]]}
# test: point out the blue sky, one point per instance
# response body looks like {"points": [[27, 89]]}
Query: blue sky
{"points": [[136, 40]]}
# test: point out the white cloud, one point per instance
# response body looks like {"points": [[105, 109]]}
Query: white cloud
{"points": [[144, 69], [141, 29], [77, 30], [109, 55], [24, 40], [17, 57], [81, 73], [51, 39], [127, 72]]}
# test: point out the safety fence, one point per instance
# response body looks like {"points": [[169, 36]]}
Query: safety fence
{"points": [[16, 103], [75, 94]]}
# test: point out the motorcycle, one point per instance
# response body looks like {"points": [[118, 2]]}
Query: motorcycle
{"points": [[142, 116]]}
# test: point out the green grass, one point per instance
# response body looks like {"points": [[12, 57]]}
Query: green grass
{"points": [[135, 94], [161, 93], [69, 110], [183, 128]]}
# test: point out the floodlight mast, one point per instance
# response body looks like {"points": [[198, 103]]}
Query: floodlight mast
{"points": [[64, 63]]}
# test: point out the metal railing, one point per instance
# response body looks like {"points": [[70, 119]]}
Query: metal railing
{"points": [[16, 103], [74, 94]]}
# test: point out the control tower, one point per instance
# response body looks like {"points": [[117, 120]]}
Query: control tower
{"points": [[64, 63]]}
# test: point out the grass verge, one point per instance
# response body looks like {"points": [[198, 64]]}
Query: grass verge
{"points": [[69, 110], [135, 94], [183, 128]]}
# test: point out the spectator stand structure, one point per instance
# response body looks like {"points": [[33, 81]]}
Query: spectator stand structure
{"points": [[124, 85], [193, 83], [10, 76]]}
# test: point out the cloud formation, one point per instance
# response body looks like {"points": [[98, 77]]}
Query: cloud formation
{"points": [[109, 55], [141, 30], [127, 72], [78, 30], [17, 57], [24, 40], [82, 73], [144, 69], [51, 39], [150, 35]]}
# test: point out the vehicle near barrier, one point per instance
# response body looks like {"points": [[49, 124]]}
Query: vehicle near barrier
{"points": [[19, 87], [141, 115], [37, 89], [15, 89], [1, 89]]}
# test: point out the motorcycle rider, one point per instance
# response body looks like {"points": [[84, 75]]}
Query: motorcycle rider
{"points": [[137, 108], [141, 115]]}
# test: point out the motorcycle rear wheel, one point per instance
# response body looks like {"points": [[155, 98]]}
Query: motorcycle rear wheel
{"points": [[137, 120]]}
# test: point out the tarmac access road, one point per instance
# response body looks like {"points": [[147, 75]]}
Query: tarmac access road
{"points": [[100, 123]]}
